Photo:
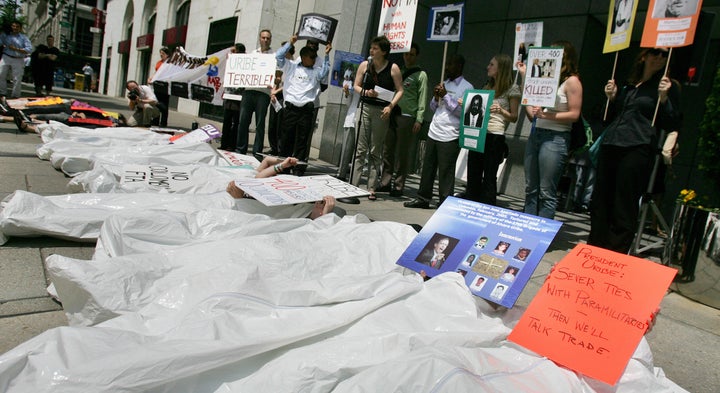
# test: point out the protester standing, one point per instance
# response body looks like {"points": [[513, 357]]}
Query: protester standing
{"points": [[255, 100], [43, 64], [403, 132], [88, 74], [163, 96], [16, 46], [231, 109]]}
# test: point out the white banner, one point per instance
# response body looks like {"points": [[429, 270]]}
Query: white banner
{"points": [[397, 23], [250, 70], [527, 35], [288, 190], [542, 77], [157, 176]]}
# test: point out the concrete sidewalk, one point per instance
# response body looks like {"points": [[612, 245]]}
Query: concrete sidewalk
{"points": [[684, 340]]}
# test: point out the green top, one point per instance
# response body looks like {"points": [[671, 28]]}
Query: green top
{"points": [[414, 98]]}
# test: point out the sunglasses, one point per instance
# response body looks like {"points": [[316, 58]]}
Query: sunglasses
{"points": [[656, 52]]}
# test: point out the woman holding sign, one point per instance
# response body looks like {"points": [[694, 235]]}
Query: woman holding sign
{"points": [[482, 167], [547, 147], [379, 84], [628, 148]]}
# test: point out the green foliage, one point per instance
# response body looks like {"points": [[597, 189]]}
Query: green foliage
{"points": [[709, 142], [10, 11]]}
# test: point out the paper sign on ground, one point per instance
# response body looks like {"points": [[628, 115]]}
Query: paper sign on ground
{"points": [[542, 76], [397, 23], [289, 190], [592, 311], [475, 117], [527, 35], [237, 159], [621, 18], [670, 23], [250, 70], [157, 176], [495, 249], [205, 133]]}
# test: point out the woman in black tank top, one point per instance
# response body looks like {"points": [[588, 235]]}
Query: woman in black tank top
{"points": [[380, 90]]}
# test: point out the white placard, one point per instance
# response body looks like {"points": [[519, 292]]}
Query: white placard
{"points": [[288, 190], [205, 133], [384, 94], [250, 70], [542, 77], [397, 23]]}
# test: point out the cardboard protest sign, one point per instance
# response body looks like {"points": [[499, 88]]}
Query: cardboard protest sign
{"points": [[475, 116], [445, 23], [345, 68], [250, 70], [593, 310], [621, 18], [527, 35], [205, 133], [542, 76], [317, 27], [204, 73], [670, 23], [397, 23], [495, 249], [288, 190], [157, 176]]}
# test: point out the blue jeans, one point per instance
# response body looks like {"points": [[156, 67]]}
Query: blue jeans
{"points": [[257, 102], [545, 156]]}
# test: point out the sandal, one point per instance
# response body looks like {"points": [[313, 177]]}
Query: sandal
{"points": [[372, 197]]}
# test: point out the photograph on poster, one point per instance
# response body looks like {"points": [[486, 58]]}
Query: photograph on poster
{"points": [[674, 8], [478, 283], [498, 292], [475, 108], [490, 266], [317, 27], [510, 274], [469, 261], [445, 23], [522, 254], [622, 16], [437, 250], [481, 242]]}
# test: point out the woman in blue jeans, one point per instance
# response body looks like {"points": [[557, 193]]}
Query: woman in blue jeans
{"points": [[547, 149]]}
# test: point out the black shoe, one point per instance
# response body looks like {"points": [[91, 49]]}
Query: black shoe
{"points": [[396, 193], [385, 188], [418, 204]]}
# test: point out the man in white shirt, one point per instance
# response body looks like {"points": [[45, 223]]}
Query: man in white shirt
{"points": [[301, 87], [255, 100], [143, 101], [442, 147], [16, 46]]}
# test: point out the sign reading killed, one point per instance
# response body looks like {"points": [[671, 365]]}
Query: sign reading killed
{"points": [[670, 23], [542, 77], [250, 70], [289, 190], [397, 23], [496, 250], [592, 311]]}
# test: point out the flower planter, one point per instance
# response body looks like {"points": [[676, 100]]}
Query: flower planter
{"points": [[694, 245]]}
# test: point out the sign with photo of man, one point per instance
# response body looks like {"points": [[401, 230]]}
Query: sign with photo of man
{"points": [[475, 118], [542, 76], [445, 23], [671, 23]]}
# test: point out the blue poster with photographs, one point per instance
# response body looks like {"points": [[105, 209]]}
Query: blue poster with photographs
{"points": [[495, 249], [445, 23], [345, 68]]}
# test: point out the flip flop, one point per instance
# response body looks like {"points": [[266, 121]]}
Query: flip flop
{"points": [[372, 197]]}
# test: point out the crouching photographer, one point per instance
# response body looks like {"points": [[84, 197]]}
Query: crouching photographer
{"points": [[143, 101]]}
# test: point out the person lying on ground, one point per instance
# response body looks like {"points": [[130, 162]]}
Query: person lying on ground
{"points": [[74, 119]]}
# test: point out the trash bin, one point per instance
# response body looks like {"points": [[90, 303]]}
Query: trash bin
{"points": [[79, 81]]}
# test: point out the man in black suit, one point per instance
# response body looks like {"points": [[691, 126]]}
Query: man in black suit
{"points": [[474, 117], [434, 257]]}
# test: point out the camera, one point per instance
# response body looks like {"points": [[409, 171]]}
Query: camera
{"points": [[133, 95]]}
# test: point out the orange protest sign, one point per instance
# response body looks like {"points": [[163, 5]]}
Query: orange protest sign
{"points": [[592, 311], [670, 23]]}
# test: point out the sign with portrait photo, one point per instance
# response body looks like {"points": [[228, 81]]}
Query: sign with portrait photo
{"points": [[621, 18], [345, 68], [542, 76], [317, 27], [475, 117], [527, 35], [496, 250], [670, 23], [445, 23]]}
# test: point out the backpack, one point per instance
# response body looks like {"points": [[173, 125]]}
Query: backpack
{"points": [[581, 136]]}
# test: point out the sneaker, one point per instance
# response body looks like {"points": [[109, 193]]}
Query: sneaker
{"points": [[417, 204]]}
